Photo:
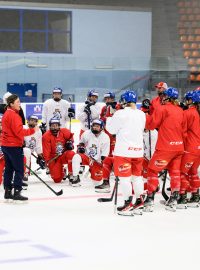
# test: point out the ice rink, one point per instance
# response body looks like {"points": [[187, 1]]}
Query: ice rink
{"points": [[74, 231]]}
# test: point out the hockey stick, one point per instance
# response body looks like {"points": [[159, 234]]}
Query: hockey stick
{"points": [[116, 192], [164, 194], [112, 195], [56, 193], [52, 159]]}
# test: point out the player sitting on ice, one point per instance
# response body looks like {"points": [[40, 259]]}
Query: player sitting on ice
{"points": [[33, 143], [94, 146], [128, 125], [57, 146]]}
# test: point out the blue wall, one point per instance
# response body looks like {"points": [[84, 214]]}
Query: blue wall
{"points": [[120, 40]]}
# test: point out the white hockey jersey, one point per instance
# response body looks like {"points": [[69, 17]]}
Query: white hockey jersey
{"points": [[96, 146], [150, 139], [58, 109], [128, 125], [83, 117], [34, 141]]}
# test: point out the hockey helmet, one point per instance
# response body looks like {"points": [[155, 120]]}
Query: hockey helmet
{"points": [[109, 95], [92, 93], [196, 97], [129, 97], [57, 90], [171, 92]]}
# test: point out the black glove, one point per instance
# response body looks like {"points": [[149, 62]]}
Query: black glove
{"points": [[71, 112], [81, 149], [43, 127], [41, 162], [87, 110], [89, 103], [112, 104], [146, 103], [69, 145]]}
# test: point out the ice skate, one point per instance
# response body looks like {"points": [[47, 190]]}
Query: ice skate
{"points": [[103, 188], [194, 200], [172, 202], [76, 181], [138, 206], [149, 203], [127, 209], [182, 202]]}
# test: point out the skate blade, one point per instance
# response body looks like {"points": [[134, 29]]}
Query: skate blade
{"points": [[76, 185], [102, 190], [171, 209], [193, 205], [148, 209], [181, 206], [138, 211], [126, 214]]}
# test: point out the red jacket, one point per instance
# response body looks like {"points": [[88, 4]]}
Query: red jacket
{"points": [[155, 103], [168, 119], [191, 129], [12, 129], [51, 142]]}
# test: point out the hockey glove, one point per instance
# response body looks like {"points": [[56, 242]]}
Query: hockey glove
{"points": [[87, 110], [71, 112], [43, 127], [80, 149], [41, 162], [146, 103], [69, 145]]}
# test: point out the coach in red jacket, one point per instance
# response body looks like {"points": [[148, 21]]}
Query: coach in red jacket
{"points": [[12, 141]]}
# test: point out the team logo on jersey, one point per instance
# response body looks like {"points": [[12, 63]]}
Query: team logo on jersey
{"points": [[124, 167], [92, 151], [99, 174], [32, 143], [160, 163], [57, 114], [188, 165], [59, 148]]}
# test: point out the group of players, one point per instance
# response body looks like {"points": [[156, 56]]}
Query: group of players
{"points": [[135, 144]]}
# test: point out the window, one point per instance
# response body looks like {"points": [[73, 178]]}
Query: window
{"points": [[35, 31]]}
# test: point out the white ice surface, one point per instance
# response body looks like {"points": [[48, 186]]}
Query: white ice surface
{"points": [[74, 231]]}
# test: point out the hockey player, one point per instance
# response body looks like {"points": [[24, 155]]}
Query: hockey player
{"points": [[89, 111], [107, 111], [2, 161], [189, 173], [157, 101], [168, 119], [33, 144], [93, 147], [56, 107], [57, 146], [128, 125]]}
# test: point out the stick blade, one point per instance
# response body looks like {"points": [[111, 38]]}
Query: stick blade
{"points": [[104, 199], [59, 192]]}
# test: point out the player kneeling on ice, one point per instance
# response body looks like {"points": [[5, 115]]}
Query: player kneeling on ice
{"points": [[128, 125], [94, 146], [57, 146], [33, 143]]}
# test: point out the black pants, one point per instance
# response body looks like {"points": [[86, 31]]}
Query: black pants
{"points": [[14, 166]]}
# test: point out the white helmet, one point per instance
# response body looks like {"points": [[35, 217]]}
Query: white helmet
{"points": [[5, 96]]}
